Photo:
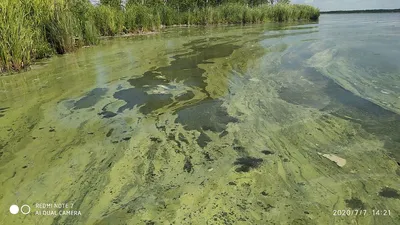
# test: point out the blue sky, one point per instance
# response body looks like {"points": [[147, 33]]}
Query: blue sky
{"points": [[327, 5]]}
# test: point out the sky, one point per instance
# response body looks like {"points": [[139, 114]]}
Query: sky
{"points": [[329, 5]]}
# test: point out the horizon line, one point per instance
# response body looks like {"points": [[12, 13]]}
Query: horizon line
{"points": [[362, 10]]}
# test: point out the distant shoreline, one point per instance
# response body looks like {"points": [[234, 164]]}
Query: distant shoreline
{"points": [[362, 11]]}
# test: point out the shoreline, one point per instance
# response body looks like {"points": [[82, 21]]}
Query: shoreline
{"points": [[35, 62], [131, 34]]}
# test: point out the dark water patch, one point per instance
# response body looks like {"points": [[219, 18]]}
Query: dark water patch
{"points": [[203, 140], [156, 101], [149, 222], [2, 146], [3, 110], [138, 97], [267, 152], [207, 156], [247, 163], [126, 138], [223, 134], [355, 203], [239, 148], [171, 137], [185, 97], [208, 114], [150, 78], [132, 97], [209, 51], [107, 114], [155, 139], [184, 68], [308, 97], [188, 166], [388, 192], [90, 99], [182, 138], [268, 208], [328, 96], [161, 128], [109, 133]]}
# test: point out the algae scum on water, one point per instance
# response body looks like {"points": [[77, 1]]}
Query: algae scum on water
{"points": [[228, 125]]}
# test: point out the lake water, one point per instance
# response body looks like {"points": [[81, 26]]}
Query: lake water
{"points": [[262, 124]]}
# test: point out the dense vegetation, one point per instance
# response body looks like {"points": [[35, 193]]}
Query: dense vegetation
{"points": [[33, 29]]}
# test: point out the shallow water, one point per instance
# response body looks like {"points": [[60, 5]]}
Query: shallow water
{"points": [[223, 125]]}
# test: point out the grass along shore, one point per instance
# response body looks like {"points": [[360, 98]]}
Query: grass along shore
{"points": [[35, 29]]}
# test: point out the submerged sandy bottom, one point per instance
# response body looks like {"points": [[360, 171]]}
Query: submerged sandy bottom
{"points": [[229, 126]]}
